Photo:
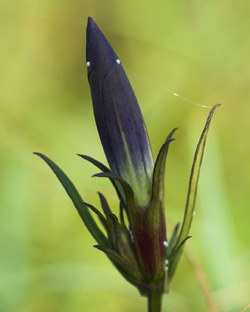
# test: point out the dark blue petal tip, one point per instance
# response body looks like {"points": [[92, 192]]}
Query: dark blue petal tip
{"points": [[99, 53]]}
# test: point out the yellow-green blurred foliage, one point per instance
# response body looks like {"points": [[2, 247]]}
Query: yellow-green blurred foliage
{"points": [[199, 49]]}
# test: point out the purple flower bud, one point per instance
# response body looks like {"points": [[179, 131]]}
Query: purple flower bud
{"points": [[118, 116]]}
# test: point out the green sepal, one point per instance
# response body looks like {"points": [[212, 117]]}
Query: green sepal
{"points": [[99, 214], [104, 168], [175, 257], [95, 162], [107, 223], [172, 240], [117, 231], [192, 191], [105, 206], [159, 169], [131, 207], [127, 267], [177, 250], [77, 201], [122, 209]]}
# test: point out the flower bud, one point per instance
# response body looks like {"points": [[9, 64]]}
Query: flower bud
{"points": [[118, 116]]}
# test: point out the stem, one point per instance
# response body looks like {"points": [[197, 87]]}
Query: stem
{"points": [[154, 301], [202, 279], [245, 308]]}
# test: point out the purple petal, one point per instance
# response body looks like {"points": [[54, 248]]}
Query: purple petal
{"points": [[118, 116]]}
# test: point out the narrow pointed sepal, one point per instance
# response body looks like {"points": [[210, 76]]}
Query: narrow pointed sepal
{"points": [[192, 191], [128, 269], [77, 201], [149, 226], [99, 214], [104, 168], [175, 251], [95, 162], [173, 240], [159, 169], [131, 206], [105, 206]]}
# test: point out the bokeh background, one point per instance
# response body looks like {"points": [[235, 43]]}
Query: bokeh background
{"points": [[199, 49]]}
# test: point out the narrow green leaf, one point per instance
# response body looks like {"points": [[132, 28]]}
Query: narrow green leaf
{"points": [[124, 264], [159, 168], [172, 240], [95, 162], [192, 190], [175, 256], [130, 202], [107, 223], [126, 269], [176, 250], [99, 214], [117, 231], [122, 209], [105, 206], [102, 167], [77, 201]]}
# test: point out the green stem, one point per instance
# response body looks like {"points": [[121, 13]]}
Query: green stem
{"points": [[154, 301]]}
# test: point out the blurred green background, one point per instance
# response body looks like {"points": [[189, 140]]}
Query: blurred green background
{"points": [[199, 49]]}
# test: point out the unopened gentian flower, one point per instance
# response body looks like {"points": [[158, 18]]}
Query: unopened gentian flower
{"points": [[135, 241]]}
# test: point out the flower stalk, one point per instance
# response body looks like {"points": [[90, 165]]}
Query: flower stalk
{"points": [[154, 301], [136, 240]]}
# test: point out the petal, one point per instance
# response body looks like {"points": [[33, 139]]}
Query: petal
{"points": [[118, 116]]}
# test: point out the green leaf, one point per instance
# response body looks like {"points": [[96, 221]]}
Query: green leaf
{"points": [[105, 206], [99, 214], [159, 168], [77, 201], [192, 191], [176, 250], [123, 263], [117, 230], [95, 162], [172, 240], [126, 269], [130, 202], [102, 167]]}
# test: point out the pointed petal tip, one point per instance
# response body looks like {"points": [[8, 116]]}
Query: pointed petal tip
{"points": [[99, 54], [91, 25]]}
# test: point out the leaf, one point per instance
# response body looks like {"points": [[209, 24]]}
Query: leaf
{"points": [[103, 168], [130, 202], [177, 249], [95, 162], [159, 168], [126, 269], [105, 206], [176, 253], [172, 240], [117, 231], [192, 190], [77, 201], [126, 266], [99, 214], [122, 209]]}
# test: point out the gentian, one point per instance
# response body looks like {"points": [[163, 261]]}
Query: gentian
{"points": [[136, 240], [118, 116]]}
